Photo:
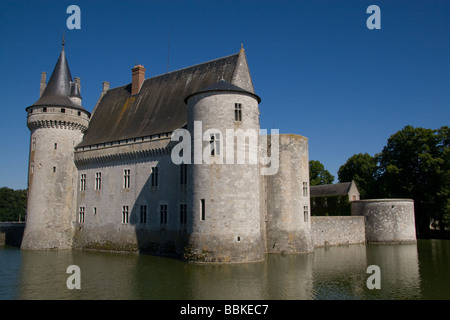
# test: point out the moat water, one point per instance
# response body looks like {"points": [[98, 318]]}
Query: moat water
{"points": [[413, 271]]}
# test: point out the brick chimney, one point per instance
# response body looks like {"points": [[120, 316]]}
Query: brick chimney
{"points": [[137, 78]]}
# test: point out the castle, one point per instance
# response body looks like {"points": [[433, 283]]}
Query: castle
{"points": [[172, 164]]}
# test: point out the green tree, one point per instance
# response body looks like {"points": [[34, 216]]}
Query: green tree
{"points": [[361, 168], [318, 175], [415, 164], [13, 204]]}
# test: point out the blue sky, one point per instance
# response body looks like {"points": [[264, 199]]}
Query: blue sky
{"points": [[319, 70]]}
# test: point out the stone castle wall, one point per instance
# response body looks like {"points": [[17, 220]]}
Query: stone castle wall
{"points": [[337, 230], [288, 225], [130, 217]]}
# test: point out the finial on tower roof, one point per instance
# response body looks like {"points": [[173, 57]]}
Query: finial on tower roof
{"points": [[63, 39]]}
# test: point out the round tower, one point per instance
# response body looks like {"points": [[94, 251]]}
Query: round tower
{"points": [[57, 122], [387, 220], [288, 209], [224, 193]]}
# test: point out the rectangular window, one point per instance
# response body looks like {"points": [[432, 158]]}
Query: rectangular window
{"points": [[305, 189], [98, 181], [63, 110], [125, 214], [81, 215], [126, 178], [55, 146], [95, 211], [214, 144], [143, 214], [154, 179], [305, 213], [183, 215], [54, 169], [83, 182], [44, 109], [33, 143], [237, 112], [163, 213], [183, 173], [202, 209]]}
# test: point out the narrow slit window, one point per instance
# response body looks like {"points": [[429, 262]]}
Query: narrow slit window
{"points": [[125, 213], [238, 112], [305, 189], [126, 178], [154, 179], [81, 215], [143, 214], [83, 182], [98, 181], [214, 143], [305, 213], [163, 213], [202, 210]]}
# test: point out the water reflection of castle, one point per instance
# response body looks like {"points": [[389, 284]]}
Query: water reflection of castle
{"points": [[330, 273]]}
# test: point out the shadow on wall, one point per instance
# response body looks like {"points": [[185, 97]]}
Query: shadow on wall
{"points": [[11, 233], [160, 212]]}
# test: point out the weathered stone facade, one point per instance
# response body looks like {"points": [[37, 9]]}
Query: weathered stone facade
{"points": [[109, 181], [338, 230], [387, 220]]}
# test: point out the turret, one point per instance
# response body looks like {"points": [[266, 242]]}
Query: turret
{"points": [[224, 197], [57, 122]]}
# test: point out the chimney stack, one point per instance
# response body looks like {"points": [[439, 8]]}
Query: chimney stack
{"points": [[43, 83], [105, 87], [78, 82], [137, 78]]}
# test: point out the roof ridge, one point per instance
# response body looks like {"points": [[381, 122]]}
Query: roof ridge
{"points": [[195, 65], [178, 70]]}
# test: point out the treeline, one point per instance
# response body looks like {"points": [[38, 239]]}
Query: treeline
{"points": [[13, 204], [414, 164]]}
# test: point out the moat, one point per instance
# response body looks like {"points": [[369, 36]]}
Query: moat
{"points": [[408, 271]]}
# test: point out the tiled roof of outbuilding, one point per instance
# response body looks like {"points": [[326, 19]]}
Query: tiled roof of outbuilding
{"points": [[330, 189]]}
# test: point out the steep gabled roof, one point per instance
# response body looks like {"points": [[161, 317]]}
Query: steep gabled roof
{"points": [[336, 189], [60, 87], [159, 107]]}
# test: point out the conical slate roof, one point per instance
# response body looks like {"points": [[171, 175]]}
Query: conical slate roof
{"points": [[223, 85], [60, 87]]}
